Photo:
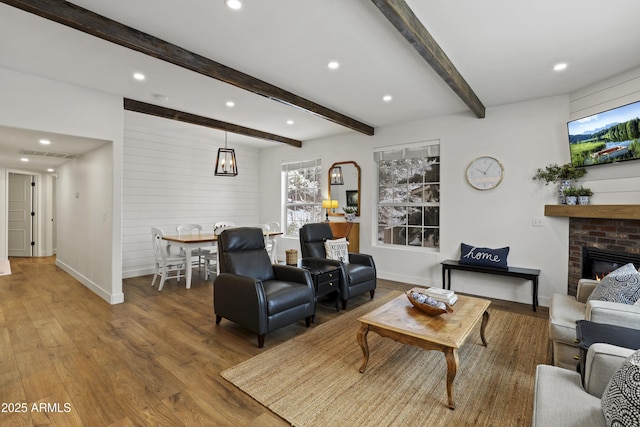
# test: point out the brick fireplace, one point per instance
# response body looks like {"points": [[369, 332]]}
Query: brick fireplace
{"points": [[616, 235]]}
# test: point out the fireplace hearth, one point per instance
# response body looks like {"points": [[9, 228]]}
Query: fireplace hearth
{"points": [[597, 263]]}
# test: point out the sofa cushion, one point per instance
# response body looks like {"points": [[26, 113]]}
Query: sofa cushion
{"points": [[621, 285], [621, 398], [483, 257], [337, 249]]}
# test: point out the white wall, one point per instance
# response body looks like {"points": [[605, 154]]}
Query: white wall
{"points": [[85, 220], [169, 180], [522, 136], [32, 102]]}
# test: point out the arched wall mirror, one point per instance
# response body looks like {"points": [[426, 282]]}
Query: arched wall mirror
{"points": [[344, 185]]}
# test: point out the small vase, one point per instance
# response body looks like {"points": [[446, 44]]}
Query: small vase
{"points": [[571, 200], [563, 185], [583, 200], [349, 217]]}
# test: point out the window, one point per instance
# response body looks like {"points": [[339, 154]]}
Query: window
{"points": [[303, 198], [409, 195]]}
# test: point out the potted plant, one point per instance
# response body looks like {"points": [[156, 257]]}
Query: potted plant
{"points": [[562, 175], [570, 195], [349, 213], [583, 195]]}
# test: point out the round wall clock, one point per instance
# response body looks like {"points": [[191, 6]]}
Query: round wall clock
{"points": [[485, 173]]}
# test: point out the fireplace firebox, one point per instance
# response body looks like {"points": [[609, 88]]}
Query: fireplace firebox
{"points": [[597, 263]]}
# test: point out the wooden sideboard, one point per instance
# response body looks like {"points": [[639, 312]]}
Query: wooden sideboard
{"points": [[350, 230]]}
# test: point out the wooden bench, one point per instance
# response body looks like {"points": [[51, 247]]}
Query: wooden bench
{"points": [[523, 273]]}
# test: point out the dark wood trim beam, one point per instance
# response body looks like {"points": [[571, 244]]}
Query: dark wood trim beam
{"points": [[84, 20], [408, 24], [181, 116]]}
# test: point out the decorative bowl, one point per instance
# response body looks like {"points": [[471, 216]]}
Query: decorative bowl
{"points": [[426, 308]]}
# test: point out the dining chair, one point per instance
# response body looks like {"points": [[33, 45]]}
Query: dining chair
{"points": [[199, 253], [272, 241], [167, 265], [211, 259]]}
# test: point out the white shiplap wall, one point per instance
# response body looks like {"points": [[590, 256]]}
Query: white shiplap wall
{"points": [[617, 183], [169, 180]]}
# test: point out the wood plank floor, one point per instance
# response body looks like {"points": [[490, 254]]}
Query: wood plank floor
{"points": [[68, 358]]}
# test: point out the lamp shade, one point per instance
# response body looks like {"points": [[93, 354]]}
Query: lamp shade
{"points": [[334, 204], [326, 204]]}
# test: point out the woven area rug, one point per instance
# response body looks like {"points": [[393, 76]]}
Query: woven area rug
{"points": [[313, 379]]}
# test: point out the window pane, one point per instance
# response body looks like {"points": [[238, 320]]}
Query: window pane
{"points": [[303, 195]]}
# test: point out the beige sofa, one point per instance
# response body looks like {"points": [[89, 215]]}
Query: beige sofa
{"points": [[565, 310], [561, 400]]}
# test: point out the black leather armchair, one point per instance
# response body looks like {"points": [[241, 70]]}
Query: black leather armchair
{"points": [[356, 277], [252, 292]]}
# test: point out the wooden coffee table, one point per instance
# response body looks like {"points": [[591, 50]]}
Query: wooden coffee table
{"points": [[402, 322]]}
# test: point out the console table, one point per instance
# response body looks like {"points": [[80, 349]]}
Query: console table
{"points": [[523, 273]]}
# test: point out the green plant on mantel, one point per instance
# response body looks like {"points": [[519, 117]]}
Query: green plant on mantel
{"points": [[556, 173], [583, 191], [570, 191], [349, 209]]}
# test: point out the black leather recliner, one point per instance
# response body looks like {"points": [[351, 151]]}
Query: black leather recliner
{"points": [[252, 292], [356, 277]]}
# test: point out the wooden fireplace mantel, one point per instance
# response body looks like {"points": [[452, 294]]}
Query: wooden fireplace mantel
{"points": [[594, 211]]}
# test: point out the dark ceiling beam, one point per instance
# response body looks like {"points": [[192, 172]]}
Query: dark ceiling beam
{"points": [[102, 27], [408, 24], [181, 116]]}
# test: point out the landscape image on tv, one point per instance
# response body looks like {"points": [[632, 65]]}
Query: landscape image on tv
{"points": [[607, 137]]}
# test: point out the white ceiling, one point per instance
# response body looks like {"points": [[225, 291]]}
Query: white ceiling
{"points": [[504, 49]]}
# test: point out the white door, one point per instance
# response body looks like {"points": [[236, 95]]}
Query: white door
{"points": [[20, 217]]}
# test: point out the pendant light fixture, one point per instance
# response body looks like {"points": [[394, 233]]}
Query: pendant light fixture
{"points": [[336, 176], [226, 162]]}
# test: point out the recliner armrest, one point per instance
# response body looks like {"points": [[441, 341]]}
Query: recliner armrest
{"points": [[585, 288], [613, 313], [242, 300], [289, 273], [363, 259], [602, 361]]}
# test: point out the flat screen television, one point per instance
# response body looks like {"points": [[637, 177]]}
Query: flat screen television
{"points": [[607, 137]]}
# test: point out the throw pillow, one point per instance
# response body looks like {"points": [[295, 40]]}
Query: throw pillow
{"points": [[484, 257], [337, 249], [621, 399], [621, 285]]}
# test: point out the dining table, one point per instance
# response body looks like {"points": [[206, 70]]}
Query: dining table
{"points": [[189, 242]]}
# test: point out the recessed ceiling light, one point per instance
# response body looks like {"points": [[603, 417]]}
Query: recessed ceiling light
{"points": [[24, 159], [233, 4], [289, 122], [230, 104], [50, 170], [45, 142], [387, 98], [559, 67], [138, 76], [333, 65]]}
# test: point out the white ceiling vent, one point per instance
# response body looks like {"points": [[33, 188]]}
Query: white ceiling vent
{"points": [[49, 154]]}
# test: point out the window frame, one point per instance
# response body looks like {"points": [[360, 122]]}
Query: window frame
{"points": [[407, 206], [311, 208]]}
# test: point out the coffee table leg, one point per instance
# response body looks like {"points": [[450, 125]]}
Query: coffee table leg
{"points": [[362, 340], [451, 354], [485, 320]]}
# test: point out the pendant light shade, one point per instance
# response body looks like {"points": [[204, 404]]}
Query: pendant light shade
{"points": [[226, 161], [336, 176]]}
